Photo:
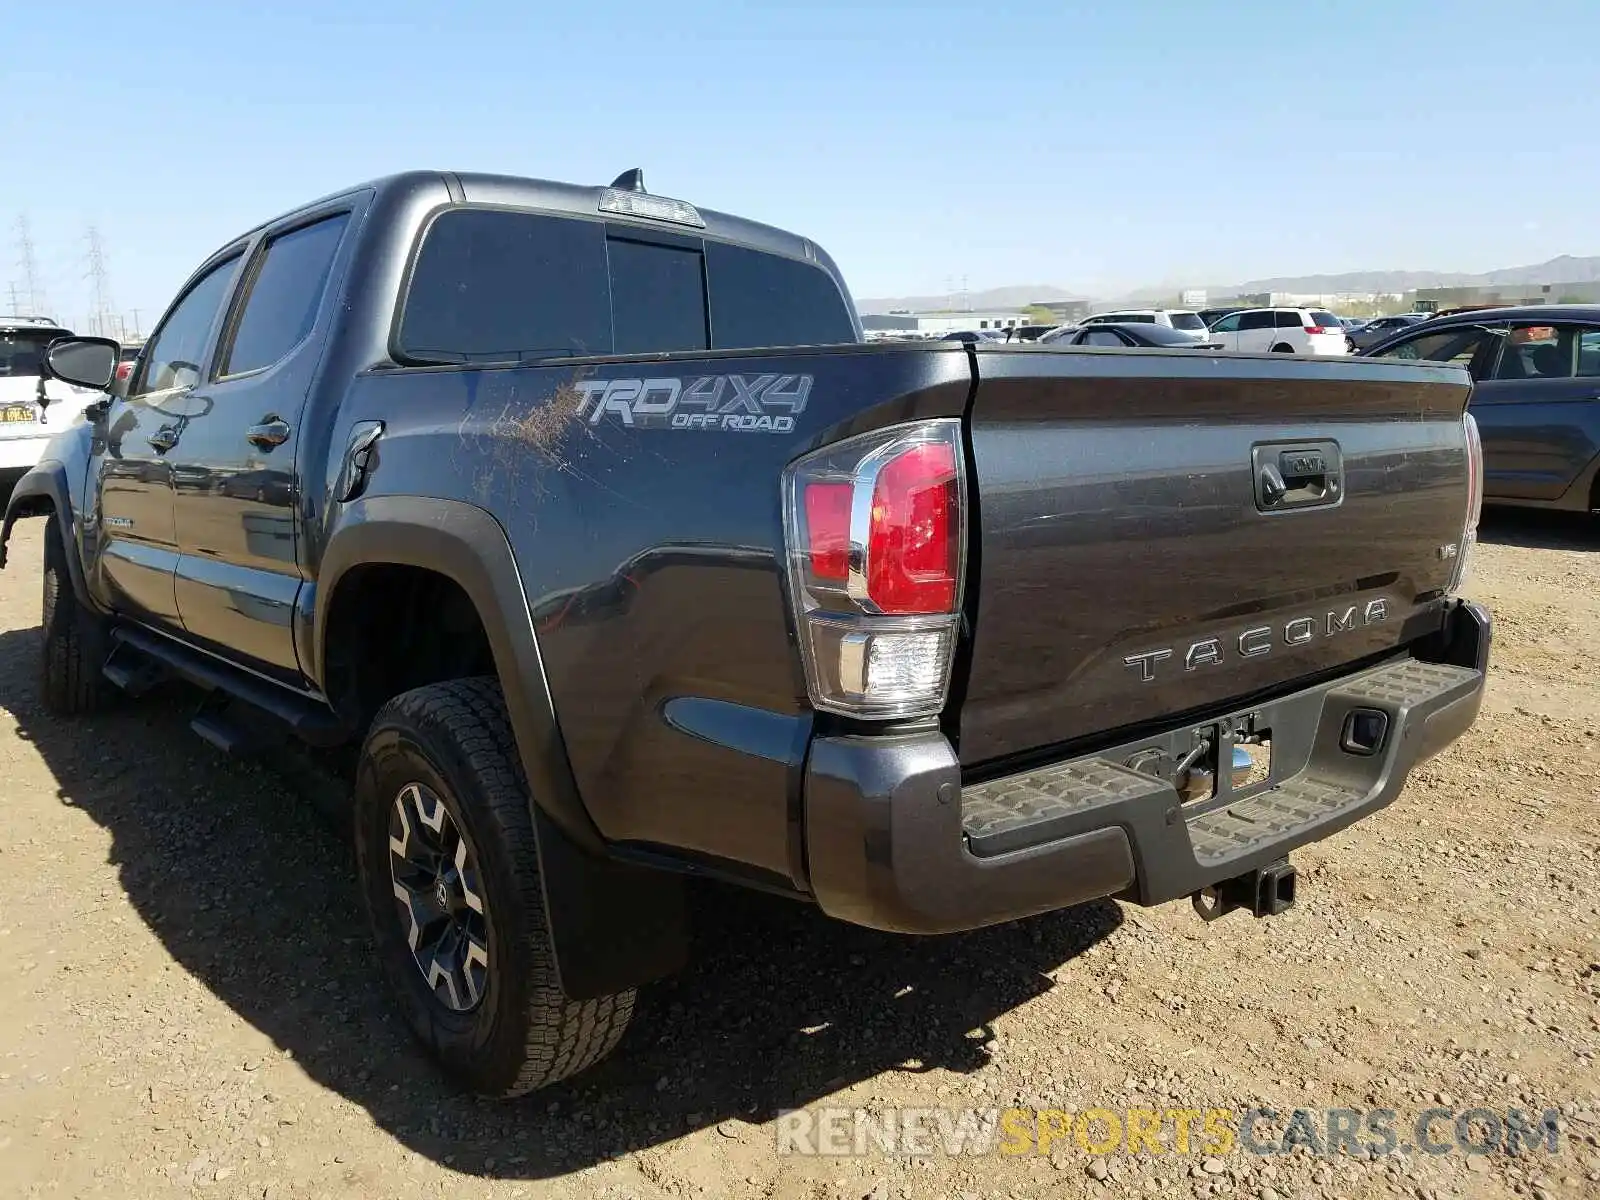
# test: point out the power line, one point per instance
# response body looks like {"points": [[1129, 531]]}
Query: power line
{"points": [[98, 281], [29, 266]]}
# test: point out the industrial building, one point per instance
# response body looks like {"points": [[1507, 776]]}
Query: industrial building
{"points": [[1508, 294]]}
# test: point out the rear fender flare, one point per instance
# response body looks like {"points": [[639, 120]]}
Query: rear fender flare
{"points": [[613, 925]]}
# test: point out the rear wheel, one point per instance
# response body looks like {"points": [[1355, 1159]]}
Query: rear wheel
{"points": [[1283, 348], [450, 877], [74, 649]]}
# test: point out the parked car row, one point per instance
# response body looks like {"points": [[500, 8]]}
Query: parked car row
{"points": [[1536, 369]]}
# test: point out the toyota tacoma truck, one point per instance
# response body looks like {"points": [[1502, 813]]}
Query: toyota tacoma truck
{"points": [[587, 523]]}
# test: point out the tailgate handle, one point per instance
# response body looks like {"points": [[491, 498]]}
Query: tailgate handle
{"points": [[1290, 477]]}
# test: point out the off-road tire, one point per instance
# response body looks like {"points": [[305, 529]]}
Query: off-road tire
{"points": [[74, 638], [455, 739]]}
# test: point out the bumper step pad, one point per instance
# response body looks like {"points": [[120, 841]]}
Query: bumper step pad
{"points": [[1307, 799], [1036, 807], [1009, 814]]}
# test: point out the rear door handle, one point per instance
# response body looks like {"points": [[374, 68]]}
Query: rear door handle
{"points": [[163, 439], [274, 431]]}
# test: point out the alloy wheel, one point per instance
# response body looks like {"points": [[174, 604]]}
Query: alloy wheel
{"points": [[436, 888]]}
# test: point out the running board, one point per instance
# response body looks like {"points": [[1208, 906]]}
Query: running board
{"points": [[308, 719], [133, 674], [214, 726]]}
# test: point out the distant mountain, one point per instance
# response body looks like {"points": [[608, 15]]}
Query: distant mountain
{"points": [[1565, 268], [1000, 297]]}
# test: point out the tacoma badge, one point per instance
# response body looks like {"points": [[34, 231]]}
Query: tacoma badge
{"points": [[1252, 643]]}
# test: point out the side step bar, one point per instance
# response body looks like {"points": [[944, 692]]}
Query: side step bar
{"points": [[310, 720]]}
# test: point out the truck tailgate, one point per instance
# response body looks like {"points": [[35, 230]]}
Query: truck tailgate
{"points": [[1156, 533]]}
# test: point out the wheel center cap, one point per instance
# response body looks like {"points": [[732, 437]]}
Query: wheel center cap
{"points": [[441, 895]]}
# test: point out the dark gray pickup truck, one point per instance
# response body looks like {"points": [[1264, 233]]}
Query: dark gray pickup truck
{"points": [[586, 520]]}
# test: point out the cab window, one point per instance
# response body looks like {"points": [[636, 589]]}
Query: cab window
{"points": [[173, 356]]}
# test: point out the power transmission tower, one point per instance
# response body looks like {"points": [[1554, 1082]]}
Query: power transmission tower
{"points": [[29, 265], [16, 301], [98, 282]]}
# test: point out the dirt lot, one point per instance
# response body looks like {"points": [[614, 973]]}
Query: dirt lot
{"points": [[187, 1001]]}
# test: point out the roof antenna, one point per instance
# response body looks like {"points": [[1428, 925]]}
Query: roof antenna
{"points": [[631, 180]]}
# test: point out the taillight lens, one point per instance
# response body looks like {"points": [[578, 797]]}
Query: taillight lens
{"points": [[876, 529], [913, 545], [828, 530], [1317, 329], [1469, 528]]}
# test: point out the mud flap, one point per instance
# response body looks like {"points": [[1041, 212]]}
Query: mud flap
{"points": [[613, 926]]}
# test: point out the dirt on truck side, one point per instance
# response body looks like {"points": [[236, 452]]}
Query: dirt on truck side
{"points": [[188, 1004]]}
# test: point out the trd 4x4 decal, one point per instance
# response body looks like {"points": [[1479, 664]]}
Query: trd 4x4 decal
{"points": [[738, 403]]}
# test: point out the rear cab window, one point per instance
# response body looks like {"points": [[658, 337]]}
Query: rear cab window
{"points": [[499, 285], [22, 351], [21, 359]]}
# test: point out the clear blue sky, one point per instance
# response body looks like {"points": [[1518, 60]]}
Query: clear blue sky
{"points": [[1095, 146]]}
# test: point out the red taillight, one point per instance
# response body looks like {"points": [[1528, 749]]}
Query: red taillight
{"points": [[875, 532], [828, 529], [913, 542], [1317, 329]]}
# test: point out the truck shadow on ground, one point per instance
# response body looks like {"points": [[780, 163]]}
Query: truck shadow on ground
{"points": [[251, 891], [1538, 530]]}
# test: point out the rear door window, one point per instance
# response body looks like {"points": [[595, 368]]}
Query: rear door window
{"points": [[1255, 320], [1103, 337], [284, 295], [1537, 351]]}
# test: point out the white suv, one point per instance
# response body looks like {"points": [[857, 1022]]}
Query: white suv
{"points": [[24, 431], [1282, 331], [1180, 319]]}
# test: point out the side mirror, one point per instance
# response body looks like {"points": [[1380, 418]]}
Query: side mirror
{"points": [[87, 362]]}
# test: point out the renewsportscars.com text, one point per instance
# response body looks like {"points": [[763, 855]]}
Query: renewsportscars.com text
{"points": [[929, 1132]]}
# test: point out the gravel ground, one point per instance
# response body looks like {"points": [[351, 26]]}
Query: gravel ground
{"points": [[187, 1001]]}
